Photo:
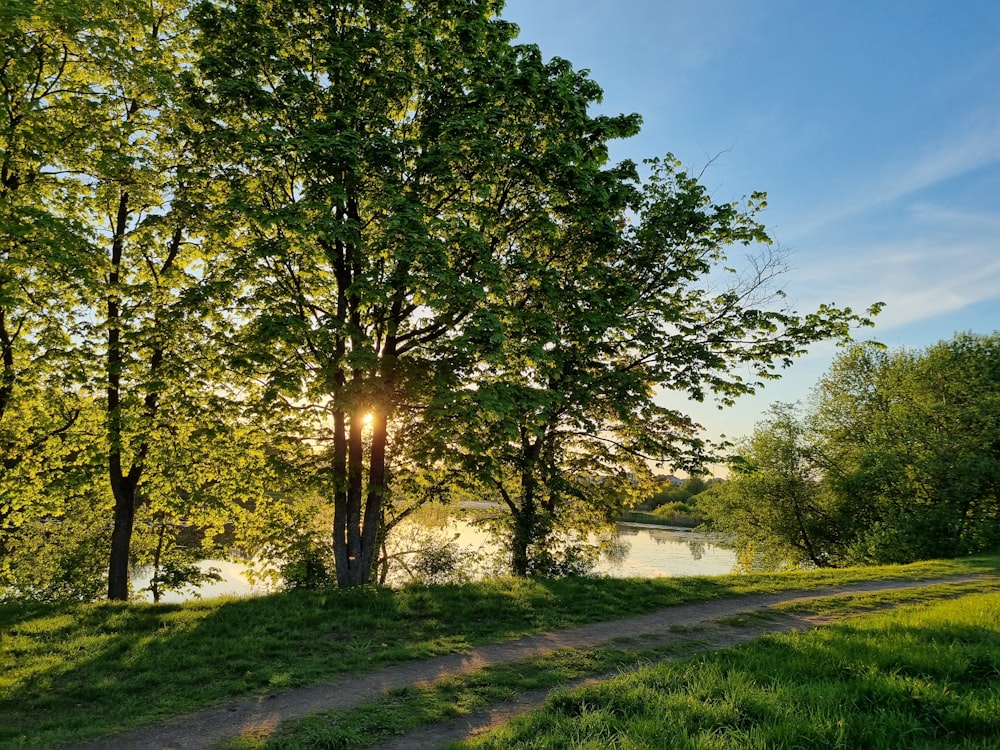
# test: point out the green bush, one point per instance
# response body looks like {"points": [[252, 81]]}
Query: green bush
{"points": [[679, 514]]}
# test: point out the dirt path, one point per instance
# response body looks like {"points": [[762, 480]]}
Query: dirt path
{"points": [[208, 727]]}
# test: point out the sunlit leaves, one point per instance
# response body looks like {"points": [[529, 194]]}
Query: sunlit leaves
{"points": [[895, 461], [597, 317], [296, 214]]}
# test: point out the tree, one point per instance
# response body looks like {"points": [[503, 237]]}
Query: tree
{"points": [[384, 216], [897, 460], [47, 60], [562, 420], [668, 492], [108, 290], [151, 266], [908, 441], [773, 503], [387, 158], [42, 74]]}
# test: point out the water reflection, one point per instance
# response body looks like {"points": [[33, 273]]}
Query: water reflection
{"points": [[636, 551], [655, 551], [234, 582], [696, 543]]}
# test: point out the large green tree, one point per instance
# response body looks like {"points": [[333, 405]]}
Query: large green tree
{"points": [[108, 290], [47, 64], [150, 265], [896, 460], [43, 108], [389, 160], [600, 315], [909, 443]]}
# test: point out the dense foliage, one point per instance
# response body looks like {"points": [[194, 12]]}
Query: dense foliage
{"points": [[898, 459], [275, 273]]}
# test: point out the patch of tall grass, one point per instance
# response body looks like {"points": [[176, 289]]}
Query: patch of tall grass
{"points": [[917, 677], [400, 711]]}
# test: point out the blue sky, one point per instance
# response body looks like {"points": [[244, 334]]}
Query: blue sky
{"points": [[873, 126]]}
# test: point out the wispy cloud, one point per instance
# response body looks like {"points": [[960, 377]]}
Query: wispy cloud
{"points": [[932, 214], [956, 156], [969, 148], [917, 278]]}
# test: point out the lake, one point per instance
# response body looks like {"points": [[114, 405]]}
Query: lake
{"points": [[656, 551], [645, 552]]}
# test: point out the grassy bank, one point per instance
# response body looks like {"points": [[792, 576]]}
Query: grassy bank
{"points": [[925, 677], [677, 520], [70, 673], [403, 710]]}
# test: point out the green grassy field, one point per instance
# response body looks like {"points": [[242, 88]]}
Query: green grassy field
{"points": [[406, 709], [919, 677], [71, 673]]}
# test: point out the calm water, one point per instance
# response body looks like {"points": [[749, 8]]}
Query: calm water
{"points": [[649, 552], [655, 551]]}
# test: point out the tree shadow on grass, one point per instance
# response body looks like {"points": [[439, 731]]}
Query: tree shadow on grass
{"points": [[878, 684], [91, 670]]}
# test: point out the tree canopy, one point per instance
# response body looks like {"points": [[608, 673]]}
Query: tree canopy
{"points": [[896, 460], [263, 255]]}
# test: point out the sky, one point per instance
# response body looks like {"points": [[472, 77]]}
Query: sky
{"points": [[874, 128]]}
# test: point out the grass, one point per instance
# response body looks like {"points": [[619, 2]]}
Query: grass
{"points": [[919, 677], [403, 710], [73, 673]]}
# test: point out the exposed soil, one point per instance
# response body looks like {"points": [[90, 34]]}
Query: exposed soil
{"points": [[697, 625]]}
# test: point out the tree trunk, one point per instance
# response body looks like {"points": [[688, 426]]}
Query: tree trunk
{"points": [[337, 254], [795, 491], [122, 489], [352, 573], [526, 515], [121, 540], [121, 536], [358, 526], [154, 584], [524, 522], [124, 486], [7, 359], [356, 533], [340, 492], [371, 535]]}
